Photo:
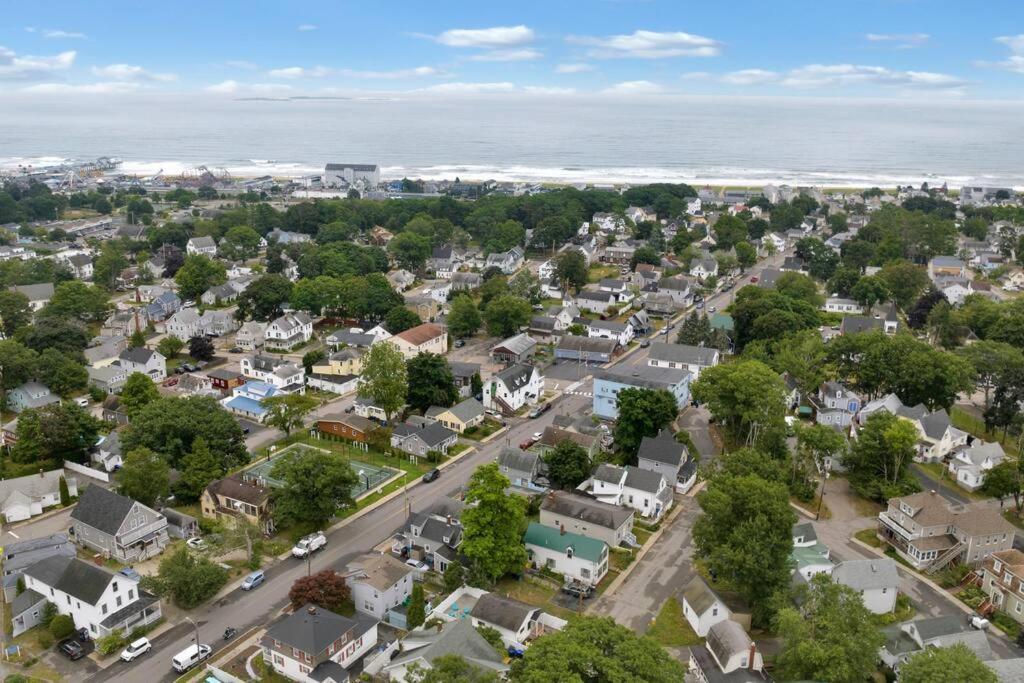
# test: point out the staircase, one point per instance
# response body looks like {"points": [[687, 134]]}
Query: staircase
{"points": [[505, 407], [944, 559]]}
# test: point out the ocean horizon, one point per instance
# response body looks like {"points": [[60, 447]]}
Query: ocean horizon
{"points": [[697, 140]]}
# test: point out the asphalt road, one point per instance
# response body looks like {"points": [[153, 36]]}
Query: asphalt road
{"points": [[246, 610]]}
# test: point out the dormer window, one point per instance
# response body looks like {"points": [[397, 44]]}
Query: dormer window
{"points": [[568, 552]]}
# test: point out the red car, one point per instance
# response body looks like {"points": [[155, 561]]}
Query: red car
{"points": [[526, 444], [753, 279]]}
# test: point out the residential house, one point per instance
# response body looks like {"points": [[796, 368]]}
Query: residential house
{"points": [[576, 557], [902, 641], [30, 395], [378, 583], [365, 407], [516, 622], [401, 280], [552, 436], [459, 417], [180, 525], [108, 453], [145, 361], [1002, 579], [608, 382], [596, 350], [835, 405], [525, 470], [251, 336], [117, 526], [421, 647], [433, 535], [96, 599], [508, 261], [38, 295], [313, 644], [443, 261], [80, 265], [220, 295], [621, 333], [201, 245], [946, 266], [247, 400], [608, 222], [677, 287], [620, 288], [728, 655], [809, 556], [793, 264], [970, 464], [543, 326], [18, 555], [224, 380], [291, 329], [640, 322], [351, 338], [418, 441], [564, 315], [284, 237], [516, 349], [598, 302], [929, 532], [876, 580], [836, 304], [513, 388], [586, 516], [28, 496], [645, 491], [694, 359], [463, 374], [704, 267], [425, 338], [283, 374], [162, 307], [104, 351], [347, 426], [464, 282], [619, 254], [234, 497], [668, 457], [703, 607]]}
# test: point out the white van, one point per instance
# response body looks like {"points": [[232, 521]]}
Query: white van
{"points": [[189, 657]]}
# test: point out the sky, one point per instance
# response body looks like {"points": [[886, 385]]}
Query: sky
{"points": [[558, 48]]}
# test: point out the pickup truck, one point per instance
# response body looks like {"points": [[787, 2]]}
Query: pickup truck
{"points": [[309, 544]]}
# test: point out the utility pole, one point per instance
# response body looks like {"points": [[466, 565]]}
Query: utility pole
{"points": [[196, 627]]}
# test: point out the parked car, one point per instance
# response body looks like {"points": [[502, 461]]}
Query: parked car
{"points": [[645, 343], [136, 649], [540, 410], [753, 278], [431, 475], [253, 580], [71, 649], [578, 589], [537, 435], [196, 543], [190, 656], [459, 343], [978, 622], [712, 309], [417, 565], [131, 573], [309, 544], [82, 401], [527, 443], [235, 349]]}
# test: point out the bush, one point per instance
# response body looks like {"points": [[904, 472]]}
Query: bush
{"points": [[16, 678], [44, 639], [953, 575], [61, 626], [108, 645], [97, 394], [49, 612], [492, 636], [140, 631]]}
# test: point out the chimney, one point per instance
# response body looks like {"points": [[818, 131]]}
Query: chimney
{"points": [[41, 474], [561, 530], [311, 609], [449, 520], [932, 492], [750, 656]]}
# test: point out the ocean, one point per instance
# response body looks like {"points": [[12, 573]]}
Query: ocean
{"points": [[699, 140]]}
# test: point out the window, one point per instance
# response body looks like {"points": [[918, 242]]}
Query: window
{"points": [[714, 611], [115, 586], [118, 600], [585, 573], [131, 594], [1017, 608], [103, 608]]}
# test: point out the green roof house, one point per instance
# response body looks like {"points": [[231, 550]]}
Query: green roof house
{"points": [[576, 557]]}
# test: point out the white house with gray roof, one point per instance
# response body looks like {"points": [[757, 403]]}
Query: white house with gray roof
{"points": [[513, 388], [30, 395], [690, 358], [315, 644], [379, 583], [515, 349], [666, 456], [703, 607], [21, 554], [620, 333], [588, 517], [38, 295], [876, 580], [28, 496], [524, 469], [291, 329], [970, 464], [146, 361], [420, 440], [117, 526], [422, 646], [281, 373], [201, 245], [645, 491]]}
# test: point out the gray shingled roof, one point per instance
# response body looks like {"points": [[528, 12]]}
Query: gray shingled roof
{"points": [[586, 509], [504, 612], [73, 576], [662, 448], [518, 460], [863, 575], [102, 509], [455, 638], [311, 629], [644, 480]]}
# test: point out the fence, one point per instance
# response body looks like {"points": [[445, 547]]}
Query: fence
{"points": [[87, 471]]}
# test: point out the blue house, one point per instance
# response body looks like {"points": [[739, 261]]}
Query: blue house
{"points": [[609, 382], [247, 400]]}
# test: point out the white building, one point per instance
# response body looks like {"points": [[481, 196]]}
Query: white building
{"points": [[379, 583], [201, 245], [146, 361], [349, 175], [315, 644], [645, 491], [876, 580], [289, 330], [512, 388], [703, 607], [571, 555], [282, 374], [28, 496], [683, 356]]}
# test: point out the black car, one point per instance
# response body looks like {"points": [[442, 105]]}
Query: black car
{"points": [[71, 649], [578, 590], [645, 343], [431, 475]]}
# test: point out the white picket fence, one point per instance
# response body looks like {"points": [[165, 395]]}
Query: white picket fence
{"points": [[87, 471]]}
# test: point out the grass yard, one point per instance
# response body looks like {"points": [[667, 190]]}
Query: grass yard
{"points": [[642, 535], [941, 474], [482, 430], [961, 419], [457, 448], [869, 536], [1011, 516], [670, 627], [597, 272], [904, 611], [618, 560], [533, 592]]}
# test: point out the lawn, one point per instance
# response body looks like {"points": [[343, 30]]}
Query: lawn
{"points": [[482, 430], [961, 419], [939, 472], [904, 611], [596, 273], [532, 592], [869, 536], [620, 559], [1011, 516], [670, 627], [642, 535], [457, 448]]}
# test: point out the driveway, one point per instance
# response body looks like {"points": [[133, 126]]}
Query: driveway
{"points": [[662, 573], [694, 421]]}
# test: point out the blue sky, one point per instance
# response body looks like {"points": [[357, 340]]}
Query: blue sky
{"points": [[862, 48]]}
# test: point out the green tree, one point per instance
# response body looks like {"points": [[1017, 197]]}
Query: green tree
{"points": [[463, 318], [18, 362], [430, 382], [326, 589], [505, 315], [65, 495], [199, 468], [641, 412], [170, 424], [416, 614], [54, 433], [745, 537], [1006, 479], [187, 579], [568, 464], [829, 636], [384, 378], [526, 286], [399, 319], [592, 649], [197, 274], [493, 524], [240, 242], [170, 346], [905, 281], [870, 290], [137, 339], [493, 287], [991, 360], [15, 311], [941, 664], [451, 668], [746, 255], [263, 299], [571, 269], [75, 300], [818, 443], [61, 626], [138, 391], [454, 576], [747, 397], [68, 336], [61, 373], [201, 348], [109, 264], [879, 462], [409, 250], [144, 476], [288, 411], [314, 486]]}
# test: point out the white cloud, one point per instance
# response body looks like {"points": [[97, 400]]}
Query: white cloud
{"points": [[224, 87], [83, 89], [299, 72], [1015, 62], [57, 34], [517, 55], [495, 37], [832, 75], [695, 76], [573, 68], [269, 87], [469, 88], [240, 64], [649, 45], [901, 41], [750, 77], [306, 27], [130, 72], [31, 68], [548, 90], [417, 72], [633, 88]]}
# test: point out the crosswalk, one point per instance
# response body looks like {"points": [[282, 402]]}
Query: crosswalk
{"points": [[588, 394]]}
